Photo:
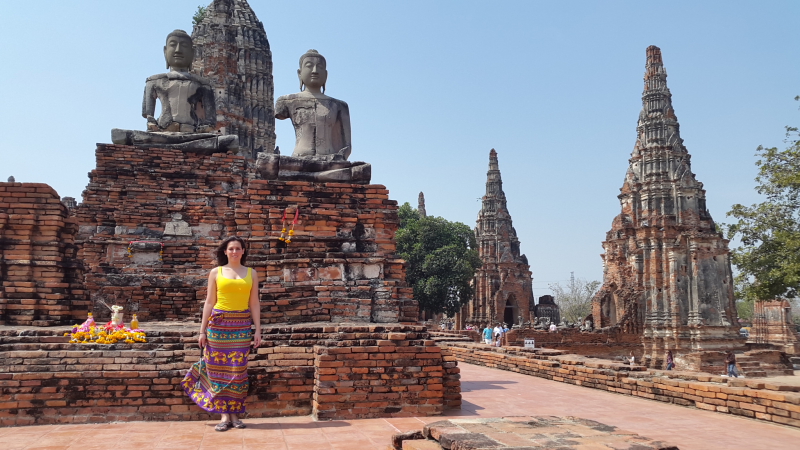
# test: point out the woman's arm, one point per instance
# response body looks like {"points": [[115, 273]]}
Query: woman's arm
{"points": [[211, 301], [255, 308]]}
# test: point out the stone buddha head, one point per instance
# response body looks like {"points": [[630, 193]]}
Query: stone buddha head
{"points": [[179, 51], [313, 72]]}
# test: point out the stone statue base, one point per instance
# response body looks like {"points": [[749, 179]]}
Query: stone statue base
{"points": [[316, 169], [205, 143]]}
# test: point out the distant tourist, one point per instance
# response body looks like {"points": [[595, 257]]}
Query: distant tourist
{"points": [[730, 360], [631, 358], [670, 360], [218, 383], [487, 335], [498, 333], [553, 327]]}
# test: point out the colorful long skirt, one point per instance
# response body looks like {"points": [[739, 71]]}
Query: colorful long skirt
{"points": [[218, 382]]}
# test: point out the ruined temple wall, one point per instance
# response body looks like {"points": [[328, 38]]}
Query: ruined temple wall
{"points": [[332, 372], [40, 276], [610, 343], [132, 196], [340, 266], [773, 325]]}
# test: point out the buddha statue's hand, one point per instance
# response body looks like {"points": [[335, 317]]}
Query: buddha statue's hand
{"points": [[152, 124]]}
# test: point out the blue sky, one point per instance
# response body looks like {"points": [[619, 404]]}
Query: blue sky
{"points": [[554, 86]]}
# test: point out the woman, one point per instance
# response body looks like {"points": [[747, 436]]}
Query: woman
{"points": [[218, 382], [670, 360]]}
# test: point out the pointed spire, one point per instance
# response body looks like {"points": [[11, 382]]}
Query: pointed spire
{"points": [[494, 182], [421, 205], [657, 121]]}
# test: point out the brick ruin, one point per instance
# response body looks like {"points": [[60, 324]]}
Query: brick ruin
{"points": [[41, 277], [503, 283], [547, 307], [151, 219], [338, 339], [232, 51], [667, 271], [329, 371], [773, 326]]}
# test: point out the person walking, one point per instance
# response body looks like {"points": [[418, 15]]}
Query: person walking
{"points": [[487, 335], [730, 360], [218, 383], [670, 360]]}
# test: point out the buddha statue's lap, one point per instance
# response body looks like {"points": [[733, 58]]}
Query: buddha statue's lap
{"points": [[322, 131], [188, 113]]}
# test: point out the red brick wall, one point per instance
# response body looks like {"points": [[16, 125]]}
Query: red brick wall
{"points": [[396, 370], [40, 277], [340, 266], [388, 379]]}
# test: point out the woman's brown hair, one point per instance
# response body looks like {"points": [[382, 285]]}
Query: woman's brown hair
{"points": [[222, 258]]}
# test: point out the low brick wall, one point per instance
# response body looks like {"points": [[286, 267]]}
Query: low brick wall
{"points": [[772, 402], [45, 380], [385, 379]]}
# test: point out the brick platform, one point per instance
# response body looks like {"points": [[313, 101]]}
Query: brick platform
{"points": [[390, 371], [768, 401], [41, 279], [341, 265]]}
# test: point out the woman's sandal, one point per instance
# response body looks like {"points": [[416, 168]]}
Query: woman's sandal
{"points": [[223, 426], [238, 424]]}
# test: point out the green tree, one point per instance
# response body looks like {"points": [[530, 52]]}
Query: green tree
{"points": [[199, 15], [575, 299], [768, 259], [441, 258]]}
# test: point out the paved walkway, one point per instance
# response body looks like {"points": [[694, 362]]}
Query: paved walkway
{"points": [[487, 393]]}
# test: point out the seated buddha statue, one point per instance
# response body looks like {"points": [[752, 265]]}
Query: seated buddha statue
{"points": [[322, 130], [188, 112]]}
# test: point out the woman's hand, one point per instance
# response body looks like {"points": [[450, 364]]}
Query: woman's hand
{"points": [[202, 340], [257, 340]]}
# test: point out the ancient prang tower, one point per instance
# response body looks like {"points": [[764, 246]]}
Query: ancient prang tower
{"points": [[232, 51], [667, 271], [503, 284]]}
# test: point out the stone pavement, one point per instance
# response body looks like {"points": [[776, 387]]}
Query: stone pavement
{"points": [[486, 393]]}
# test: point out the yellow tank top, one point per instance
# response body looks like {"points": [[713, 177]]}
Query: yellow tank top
{"points": [[233, 295]]}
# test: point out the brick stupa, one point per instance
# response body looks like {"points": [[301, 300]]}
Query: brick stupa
{"points": [[667, 271]]}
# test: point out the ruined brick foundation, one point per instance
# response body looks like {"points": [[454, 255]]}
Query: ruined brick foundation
{"points": [[330, 371], [151, 219]]}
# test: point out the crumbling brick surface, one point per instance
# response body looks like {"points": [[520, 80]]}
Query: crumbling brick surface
{"points": [[393, 378], [773, 326], [40, 276], [340, 266], [386, 371]]}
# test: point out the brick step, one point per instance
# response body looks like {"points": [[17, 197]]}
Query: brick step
{"points": [[88, 347], [754, 373]]}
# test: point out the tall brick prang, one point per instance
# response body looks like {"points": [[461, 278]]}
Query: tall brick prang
{"points": [[667, 271], [503, 283], [232, 51]]}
